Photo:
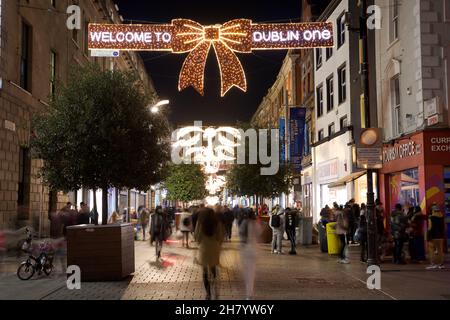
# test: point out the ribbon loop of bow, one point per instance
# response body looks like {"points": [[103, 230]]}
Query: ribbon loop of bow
{"points": [[233, 36]]}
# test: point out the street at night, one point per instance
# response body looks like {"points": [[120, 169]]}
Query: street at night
{"points": [[255, 154]]}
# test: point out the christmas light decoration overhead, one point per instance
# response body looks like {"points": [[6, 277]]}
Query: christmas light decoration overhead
{"points": [[187, 36]]}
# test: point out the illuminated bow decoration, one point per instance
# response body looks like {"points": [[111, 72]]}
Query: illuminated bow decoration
{"points": [[233, 36]]}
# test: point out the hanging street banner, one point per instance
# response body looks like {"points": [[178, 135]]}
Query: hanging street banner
{"points": [[297, 118], [282, 130], [187, 36]]}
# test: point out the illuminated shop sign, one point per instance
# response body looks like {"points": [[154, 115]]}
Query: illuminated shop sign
{"points": [[401, 151], [187, 36]]}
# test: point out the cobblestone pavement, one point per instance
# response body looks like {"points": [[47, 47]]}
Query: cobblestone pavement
{"points": [[308, 275]]}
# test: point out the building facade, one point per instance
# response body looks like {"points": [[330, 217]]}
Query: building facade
{"points": [[335, 177], [413, 67], [37, 51]]}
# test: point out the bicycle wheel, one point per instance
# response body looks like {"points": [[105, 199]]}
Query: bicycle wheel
{"points": [[25, 271]]}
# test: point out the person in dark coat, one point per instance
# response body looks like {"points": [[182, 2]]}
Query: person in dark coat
{"points": [[83, 214], [159, 230], [417, 235], [291, 217], [229, 219], [399, 223]]}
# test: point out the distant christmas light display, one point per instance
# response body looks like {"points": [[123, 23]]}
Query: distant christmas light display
{"points": [[187, 36]]}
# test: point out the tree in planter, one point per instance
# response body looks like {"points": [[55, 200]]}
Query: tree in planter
{"points": [[185, 182], [98, 133]]}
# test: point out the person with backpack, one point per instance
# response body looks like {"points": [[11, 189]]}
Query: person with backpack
{"points": [[185, 227], [291, 226], [277, 223], [158, 230]]}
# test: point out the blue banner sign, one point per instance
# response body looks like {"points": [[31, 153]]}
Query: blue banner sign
{"points": [[296, 137]]}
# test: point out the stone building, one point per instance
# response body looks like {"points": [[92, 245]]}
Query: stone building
{"points": [[37, 51], [413, 67]]}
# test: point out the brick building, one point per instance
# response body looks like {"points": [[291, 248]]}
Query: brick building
{"points": [[37, 51]]}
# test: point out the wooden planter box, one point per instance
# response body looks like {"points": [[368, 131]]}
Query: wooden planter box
{"points": [[103, 253]]}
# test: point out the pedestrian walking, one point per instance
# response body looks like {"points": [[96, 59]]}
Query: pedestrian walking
{"points": [[436, 237], [65, 215], [277, 223], [342, 227], [249, 231], [209, 236], [185, 227], [229, 219], [291, 227], [144, 219], [159, 230], [398, 228], [417, 236]]}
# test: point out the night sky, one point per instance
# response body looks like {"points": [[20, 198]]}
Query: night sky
{"points": [[261, 67]]}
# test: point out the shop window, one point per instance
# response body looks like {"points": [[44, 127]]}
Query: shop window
{"points": [[405, 188]]}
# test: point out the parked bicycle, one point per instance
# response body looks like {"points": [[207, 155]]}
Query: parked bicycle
{"points": [[42, 263]]}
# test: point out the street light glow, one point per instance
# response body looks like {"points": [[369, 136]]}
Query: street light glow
{"points": [[155, 108]]}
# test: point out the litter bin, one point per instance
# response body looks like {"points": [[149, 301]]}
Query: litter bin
{"points": [[323, 236], [305, 230], [333, 241]]}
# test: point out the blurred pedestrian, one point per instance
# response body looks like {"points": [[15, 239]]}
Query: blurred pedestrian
{"points": [[209, 235], [144, 219], [66, 216], [342, 227], [114, 218], [229, 219], [83, 214], [249, 231], [159, 227], [277, 223], [185, 227], [379, 213], [362, 233], [436, 238], [399, 224]]}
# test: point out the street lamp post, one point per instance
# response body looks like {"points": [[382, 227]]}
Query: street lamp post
{"points": [[371, 217]]}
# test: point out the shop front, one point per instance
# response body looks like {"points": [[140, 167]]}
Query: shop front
{"points": [[416, 171]]}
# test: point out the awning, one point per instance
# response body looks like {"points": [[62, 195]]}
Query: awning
{"points": [[343, 181]]}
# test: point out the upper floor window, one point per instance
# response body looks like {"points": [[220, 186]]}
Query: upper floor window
{"points": [[328, 53], [52, 73], [331, 129], [25, 57], [320, 135], [396, 106], [393, 26], [318, 58], [330, 94], [342, 84], [340, 30], [319, 97], [343, 122]]}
